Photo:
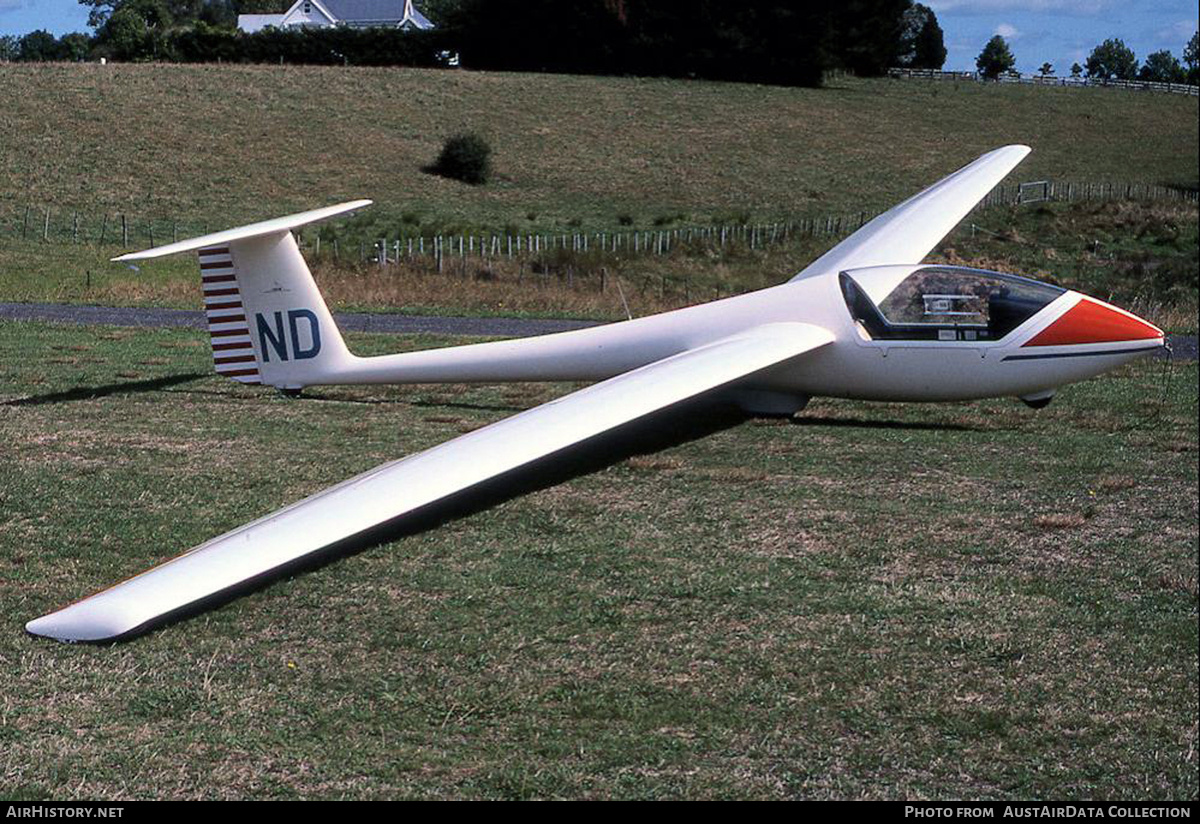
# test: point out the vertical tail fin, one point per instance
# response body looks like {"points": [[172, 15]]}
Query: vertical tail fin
{"points": [[266, 318]]}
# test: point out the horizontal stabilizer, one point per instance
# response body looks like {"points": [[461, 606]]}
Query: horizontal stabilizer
{"points": [[266, 227]]}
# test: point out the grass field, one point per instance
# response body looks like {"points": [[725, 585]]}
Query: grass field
{"points": [[171, 142], [951, 601], [226, 144], [1142, 255]]}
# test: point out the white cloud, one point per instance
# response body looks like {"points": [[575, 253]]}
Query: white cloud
{"points": [[1176, 33], [1007, 31]]}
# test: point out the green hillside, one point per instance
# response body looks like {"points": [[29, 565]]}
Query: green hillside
{"points": [[228, 143]]}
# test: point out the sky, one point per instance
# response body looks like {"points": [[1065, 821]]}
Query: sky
{"points": [[1059, 32]]}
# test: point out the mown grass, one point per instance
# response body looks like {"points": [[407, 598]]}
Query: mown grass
{"points": [[227, 144], [950, 601]]}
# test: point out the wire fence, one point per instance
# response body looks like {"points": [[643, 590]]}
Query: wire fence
{"points": [[119, 230], [1049, 80]]}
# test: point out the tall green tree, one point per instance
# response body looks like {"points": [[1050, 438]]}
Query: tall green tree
{"points": [[865, 36], [99, 11], [1112, 60], [995, 59], [38, 46], [922, 43], [136, 30], [754, 40], [1191, 58], [181, 11], [75, 46], [1162, 67], [931, 45]]}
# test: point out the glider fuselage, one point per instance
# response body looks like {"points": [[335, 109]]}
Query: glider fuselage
{"points": [[857, 365]]}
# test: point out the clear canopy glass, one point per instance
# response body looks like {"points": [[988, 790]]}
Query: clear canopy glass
{"points": [[948, 303]]}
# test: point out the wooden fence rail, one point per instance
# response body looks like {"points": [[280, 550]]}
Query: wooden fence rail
{"points": [[120, 230], [1049, 80]]}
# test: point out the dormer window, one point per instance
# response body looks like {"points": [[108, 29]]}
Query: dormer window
{"points": [[308, 8]]}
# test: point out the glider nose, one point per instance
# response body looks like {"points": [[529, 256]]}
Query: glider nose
{"points": [[1094, 321]]}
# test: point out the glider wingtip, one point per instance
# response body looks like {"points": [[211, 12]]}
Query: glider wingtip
{"points": [[67, 627], [1009, 149], [44, 627]]}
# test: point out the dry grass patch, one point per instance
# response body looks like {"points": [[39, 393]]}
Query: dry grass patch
{"points": [[654, 463], [1185, 583], [1059, 521]]}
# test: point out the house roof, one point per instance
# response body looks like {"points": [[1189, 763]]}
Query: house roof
{"points": [[363, 11]]}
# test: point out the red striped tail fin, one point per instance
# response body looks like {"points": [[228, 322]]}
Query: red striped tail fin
{"points": [[228, 328]]}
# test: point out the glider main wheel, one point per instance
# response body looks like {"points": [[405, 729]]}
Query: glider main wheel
{"points": [[1038, 401]]}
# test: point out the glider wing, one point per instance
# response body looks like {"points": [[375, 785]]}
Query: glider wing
{"points": [[355, 508], [910, 231]]}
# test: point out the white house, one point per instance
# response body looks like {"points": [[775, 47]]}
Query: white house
{"points": [[357, 13]]}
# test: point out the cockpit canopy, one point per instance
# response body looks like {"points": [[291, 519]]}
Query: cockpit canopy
{"points": [[946, 303]]}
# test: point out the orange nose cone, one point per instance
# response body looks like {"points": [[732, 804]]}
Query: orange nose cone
{"points": [[1091, 321]]}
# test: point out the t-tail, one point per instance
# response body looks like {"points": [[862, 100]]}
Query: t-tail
{"points": [[269, 324], [266, 318]]}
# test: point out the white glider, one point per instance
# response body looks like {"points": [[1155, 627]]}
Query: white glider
{"points": [[867, 320]]}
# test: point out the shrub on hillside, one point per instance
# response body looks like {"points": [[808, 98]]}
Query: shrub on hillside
{"points": [[466, 157]]}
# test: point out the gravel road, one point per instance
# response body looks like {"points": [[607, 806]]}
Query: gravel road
{"points": [[356, 322]]}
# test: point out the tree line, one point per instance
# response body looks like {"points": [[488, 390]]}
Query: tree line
{"points": [[1110, 60], [754, 40]]}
